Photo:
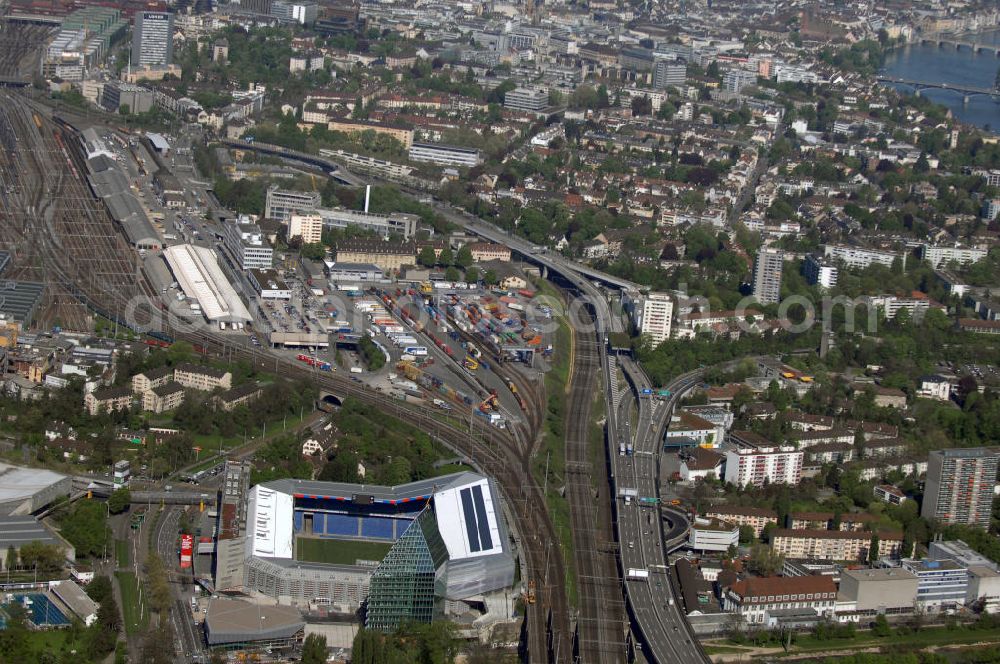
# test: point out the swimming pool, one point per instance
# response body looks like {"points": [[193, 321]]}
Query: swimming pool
{"points": [[41, 611]]}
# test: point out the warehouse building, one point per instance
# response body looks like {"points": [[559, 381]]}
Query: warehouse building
{"points": [[197, 271]]}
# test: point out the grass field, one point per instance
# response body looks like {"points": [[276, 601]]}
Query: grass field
{"points": [[338, 552], [121, 552], [134, 622]]}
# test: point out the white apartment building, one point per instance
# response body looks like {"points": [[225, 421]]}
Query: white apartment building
{"points": [[892, 305], [309, 227], [526, 99], [445, 155], [246, 244], [938, 256], [819, 272], [859, 257], [712, 535], [753, 459], [657, 312]]}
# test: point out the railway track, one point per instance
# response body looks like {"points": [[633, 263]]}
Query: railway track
{"points": [[600, 627], [93, 271]]}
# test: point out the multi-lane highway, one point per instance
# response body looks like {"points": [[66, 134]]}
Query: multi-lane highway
{"points": [[664, 633]]}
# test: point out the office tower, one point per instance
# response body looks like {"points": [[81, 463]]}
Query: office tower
{"points": [[767, 276], [153, 39], [667, 73], [960, 486], [657, 311]]}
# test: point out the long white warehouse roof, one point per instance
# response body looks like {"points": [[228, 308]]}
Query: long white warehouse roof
{"points": [[198, 273]]}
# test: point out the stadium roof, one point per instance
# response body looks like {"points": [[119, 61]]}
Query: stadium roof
{"points": [[22, 483], [234, 621], [467, 519], [385, 495], [200, 277]]}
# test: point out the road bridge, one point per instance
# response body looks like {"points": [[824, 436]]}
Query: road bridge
{"points": [[332, 168], [958, 43], [966, 90]]}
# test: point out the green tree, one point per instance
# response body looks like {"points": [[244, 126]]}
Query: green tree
{"points": [[10, 561], [426, 257], [86, 528], [314, 650], [119, 500], [446, 257], [472, 275], [452, 274], [42, 557], [490, 278], [313, 251], [463, 258], [873, 547]]}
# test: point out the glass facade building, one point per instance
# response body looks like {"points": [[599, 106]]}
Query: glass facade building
{"points": [[402, 587]]}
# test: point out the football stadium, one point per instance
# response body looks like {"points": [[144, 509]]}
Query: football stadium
{"points": [[399, 553]]}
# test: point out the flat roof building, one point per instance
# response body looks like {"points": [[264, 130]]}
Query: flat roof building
{"points": [[445, 155], [232, 624], [16, 531], [27, 490], [201, 279]]}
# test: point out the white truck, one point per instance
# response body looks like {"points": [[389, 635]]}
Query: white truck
{"points": [[628, 495], [637, 574]]}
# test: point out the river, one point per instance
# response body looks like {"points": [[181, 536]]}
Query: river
{"points": [[931, 64]]}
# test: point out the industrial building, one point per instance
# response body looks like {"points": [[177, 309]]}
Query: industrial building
{"points": [[879, 590], [281, 204], [28, 490], [402, 551], [201, 279]]}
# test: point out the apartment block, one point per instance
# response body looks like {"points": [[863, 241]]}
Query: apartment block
{"points": [[147, 380], [767, 275], [198, 377], [960, 485], [657, 314], [834, 544], [819, 271], [526, 99], [108, 399], [755, 517], [309, 227], [163, 397], [938, 256], [753, 459], [445, 155], [860, 257]]}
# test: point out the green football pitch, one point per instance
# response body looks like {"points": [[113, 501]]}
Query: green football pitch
{"points": [[338, 551]]}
